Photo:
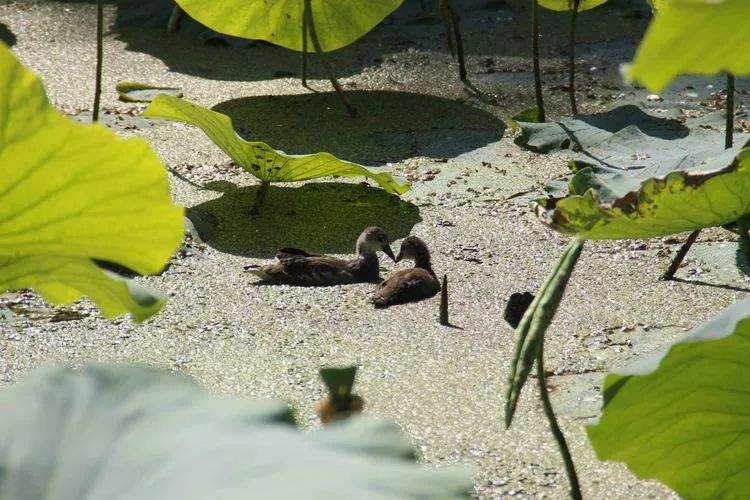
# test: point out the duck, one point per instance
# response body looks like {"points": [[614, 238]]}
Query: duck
{"points": [[408, 285], [300, 268]]}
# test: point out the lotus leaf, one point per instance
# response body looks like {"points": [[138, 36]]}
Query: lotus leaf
{"points": [[682, 416], [143, 92], [561, 5], [606, 205], [70, 193], [702, 37], [127, 432], [338, 22], [258, 158]]}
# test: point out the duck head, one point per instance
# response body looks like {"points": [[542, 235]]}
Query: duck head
{"points": [[373, 240], [415, 249]]}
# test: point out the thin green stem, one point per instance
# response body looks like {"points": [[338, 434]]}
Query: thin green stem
{"points": [[744, 229], [729, 139], [331, 76], [99, 58], [260, 198], [174, 20], [572, 61], [535, 56], [570, 469], [303, 57]]}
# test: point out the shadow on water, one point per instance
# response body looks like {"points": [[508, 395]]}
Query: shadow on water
{"points": [[318, 217], [392, 126], [7, 36]]}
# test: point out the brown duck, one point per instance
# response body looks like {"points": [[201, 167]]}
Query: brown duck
{"points": [[300, 268], [409, 285]]}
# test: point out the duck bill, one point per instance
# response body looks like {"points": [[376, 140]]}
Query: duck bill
{"points": [[389, 253], [399, 256]]}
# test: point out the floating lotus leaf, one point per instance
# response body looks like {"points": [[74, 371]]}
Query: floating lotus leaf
{"points": [[701, 37], [338, 22], [120, 431], [603, 204], [682, 417], [70, 193], [258, 158], [143, 92]]}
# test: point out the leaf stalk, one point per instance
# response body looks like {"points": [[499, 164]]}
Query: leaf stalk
{"points": [[308, 15], [572, 61], [99, 59], [729, 139], [535, 56], [562, 445]]}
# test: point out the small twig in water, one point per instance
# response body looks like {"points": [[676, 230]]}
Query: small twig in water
{"points": [[444, 302]]}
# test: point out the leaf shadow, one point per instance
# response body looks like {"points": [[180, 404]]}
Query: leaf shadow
{"points": [[392, 125], [320, 217]]}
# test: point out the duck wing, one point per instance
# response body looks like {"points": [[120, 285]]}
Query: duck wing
{"points": [[408, 285], [314, 270], [289, 252]]}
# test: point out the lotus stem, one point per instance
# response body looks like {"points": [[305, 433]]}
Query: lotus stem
{"points": [[444, 302], [744, 229], [677, 261], [729, 140], [316, 43], [260, 198], [572, 62], [570, 469], [535, 56], [174, 20], [99, 58], [303, 57], [453, 33]]}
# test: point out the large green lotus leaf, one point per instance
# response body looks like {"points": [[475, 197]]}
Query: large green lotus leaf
{"points": [[337, 22], [130, 432], [561, 5], [682, 417], [606, 205], [258, 158], [63, 280], [70, 193], [702, 37]]}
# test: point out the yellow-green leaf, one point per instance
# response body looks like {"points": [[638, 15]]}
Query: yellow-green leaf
{"points": [[561, 5], [618, 206], [338, 22], [258, 158], [682, 416], [701, 37], [70, 193]]}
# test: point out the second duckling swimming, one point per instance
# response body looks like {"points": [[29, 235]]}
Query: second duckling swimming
{"points": [[409, 285]]}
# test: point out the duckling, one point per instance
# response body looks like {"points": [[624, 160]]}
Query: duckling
{"points": [[408, 285], [340, 403], [300, 268]]}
